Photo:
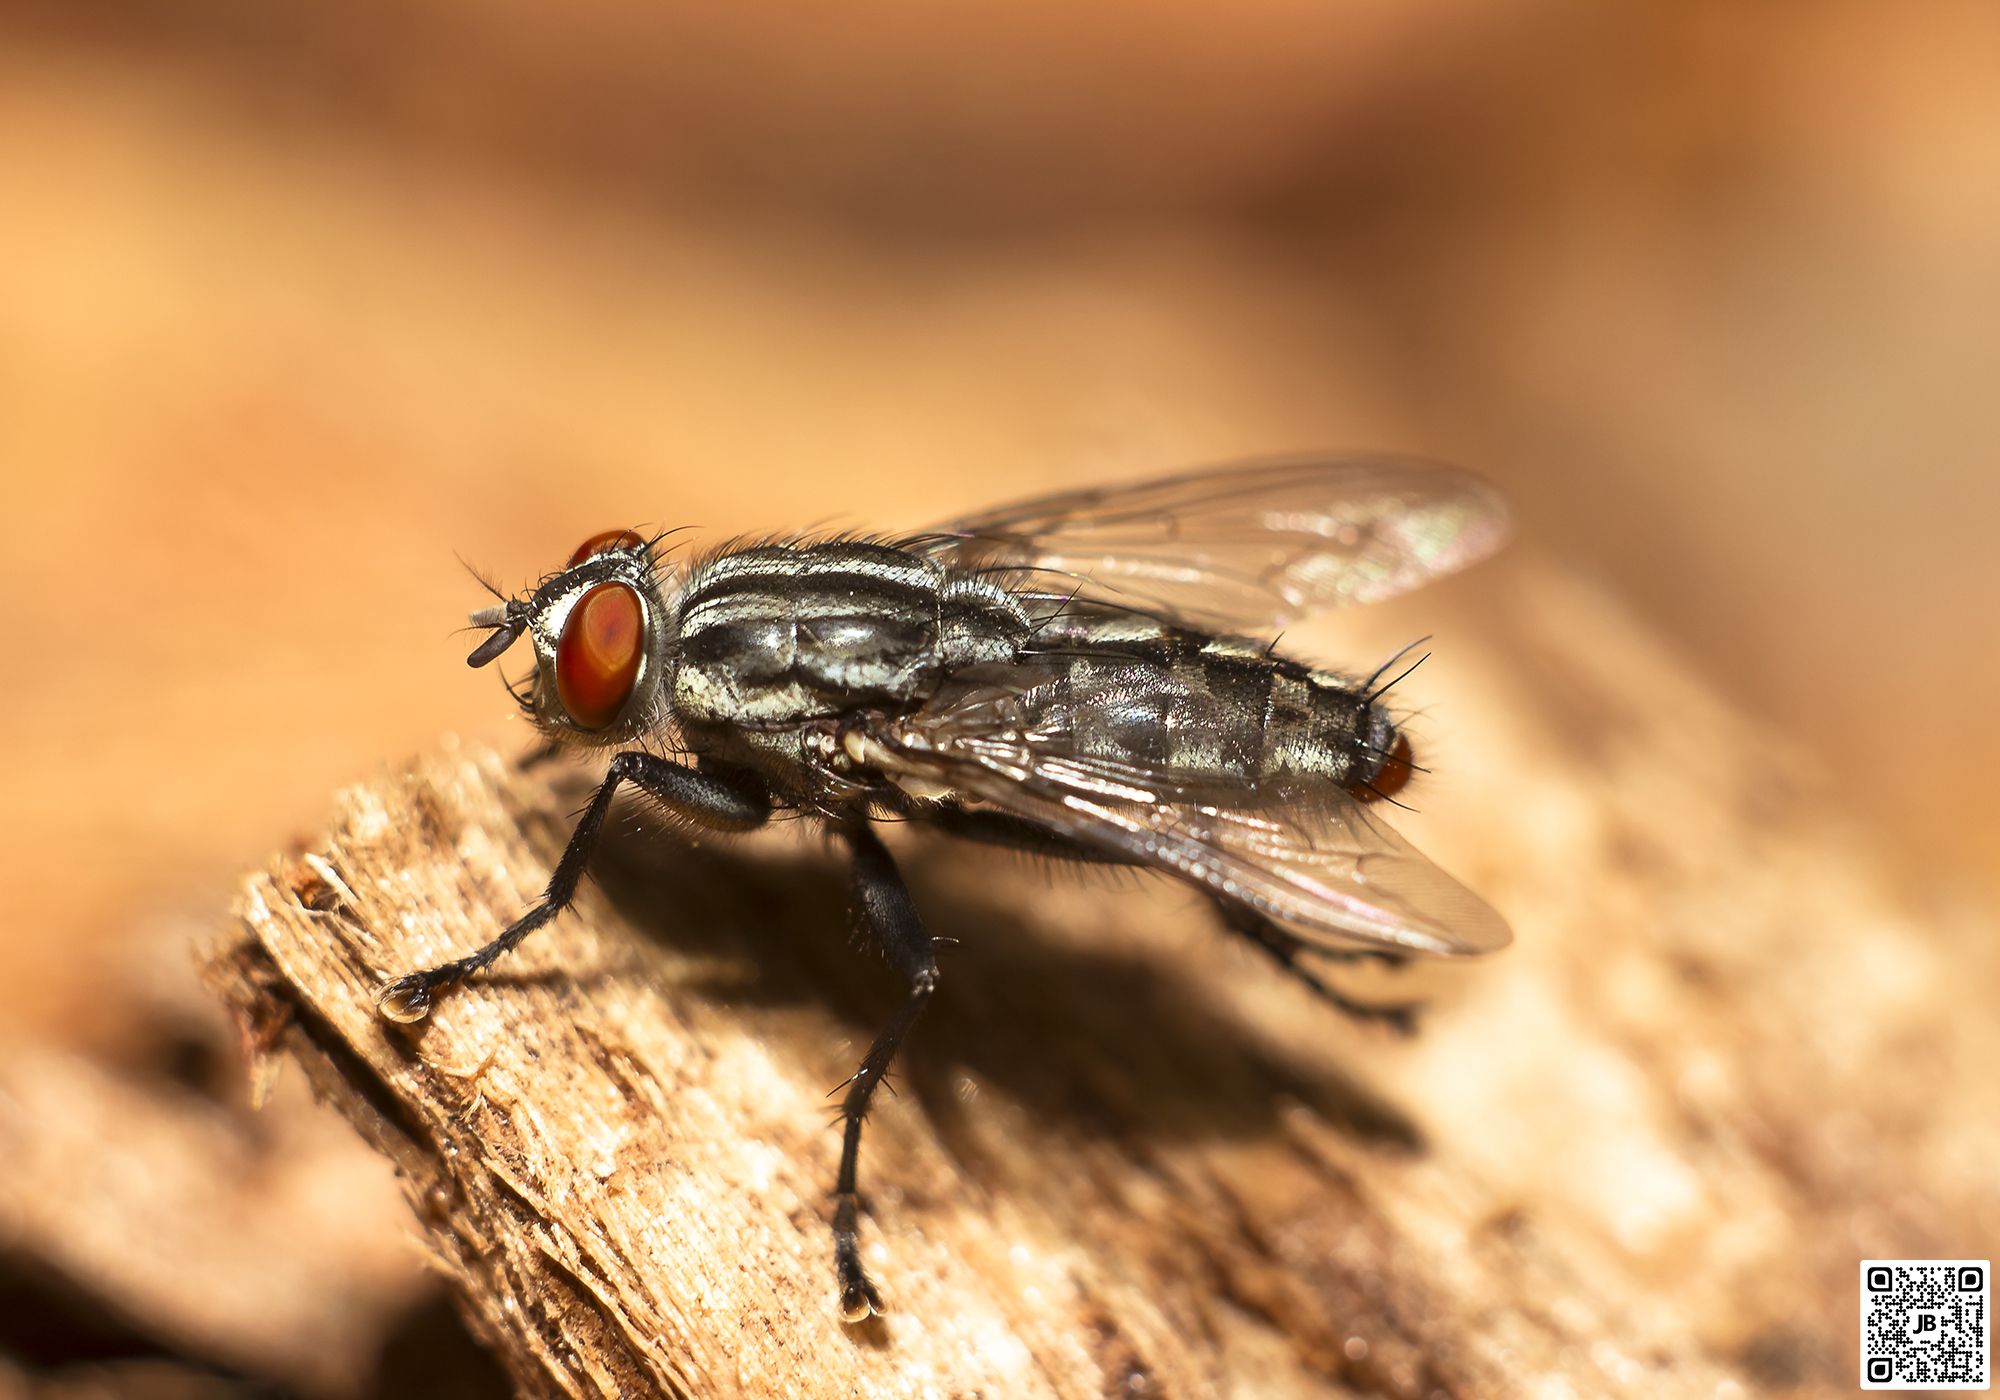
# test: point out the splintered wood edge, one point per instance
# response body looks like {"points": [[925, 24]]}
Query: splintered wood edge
{"points": [[466, 1232]]}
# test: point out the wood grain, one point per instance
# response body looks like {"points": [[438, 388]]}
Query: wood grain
{"points": [[1639, 1153]]}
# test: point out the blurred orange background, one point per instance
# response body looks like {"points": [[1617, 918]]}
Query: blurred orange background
{"points": [[297, 301]]}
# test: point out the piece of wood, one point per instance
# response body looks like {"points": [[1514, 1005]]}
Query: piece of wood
{"points": [[1639, 1153], [140, 1220]]}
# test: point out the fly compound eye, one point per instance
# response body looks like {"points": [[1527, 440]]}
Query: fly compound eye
{"points": [[602, 542], [597, 656], [1394, 774]]}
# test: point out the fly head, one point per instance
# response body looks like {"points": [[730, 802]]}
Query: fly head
{"points": [[601, 632]]}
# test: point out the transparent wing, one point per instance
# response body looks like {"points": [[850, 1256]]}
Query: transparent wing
{"points": [[1249, 547], [1308, 855]]}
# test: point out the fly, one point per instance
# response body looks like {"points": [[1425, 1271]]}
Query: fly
{"points": [[1088, 675]]}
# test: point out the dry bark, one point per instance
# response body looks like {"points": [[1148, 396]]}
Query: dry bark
{"points": [[1640, 1153]]}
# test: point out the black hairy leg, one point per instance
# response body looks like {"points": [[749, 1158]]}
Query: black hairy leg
{"points": [[1284, 948], [721, 801], [891, 916], [1011, 832]]}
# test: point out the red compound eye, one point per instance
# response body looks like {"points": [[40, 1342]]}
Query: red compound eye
{"points": [[602, 541], [597, 656], [1395, 773]]}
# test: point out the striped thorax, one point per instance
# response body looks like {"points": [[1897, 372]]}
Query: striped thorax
{"points": [[777, 635]]}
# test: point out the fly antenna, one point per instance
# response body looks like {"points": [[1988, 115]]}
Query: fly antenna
{"points": [[508, 622], [483, 581]]}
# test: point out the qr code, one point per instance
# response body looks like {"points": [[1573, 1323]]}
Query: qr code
{"points": [[1923, 1324]]}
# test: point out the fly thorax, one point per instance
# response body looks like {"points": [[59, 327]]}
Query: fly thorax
{"points": [[774, 635]]}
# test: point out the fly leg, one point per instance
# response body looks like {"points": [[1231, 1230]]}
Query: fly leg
{"points": [[892, 917], [715, 799], [1284, 948]]}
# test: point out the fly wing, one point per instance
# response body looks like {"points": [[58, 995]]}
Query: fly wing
{"points": [[1247, 548], [1308, 855]]}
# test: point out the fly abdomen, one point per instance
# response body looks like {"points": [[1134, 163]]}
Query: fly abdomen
{"points": [[1137, 690], [774, 635]]}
